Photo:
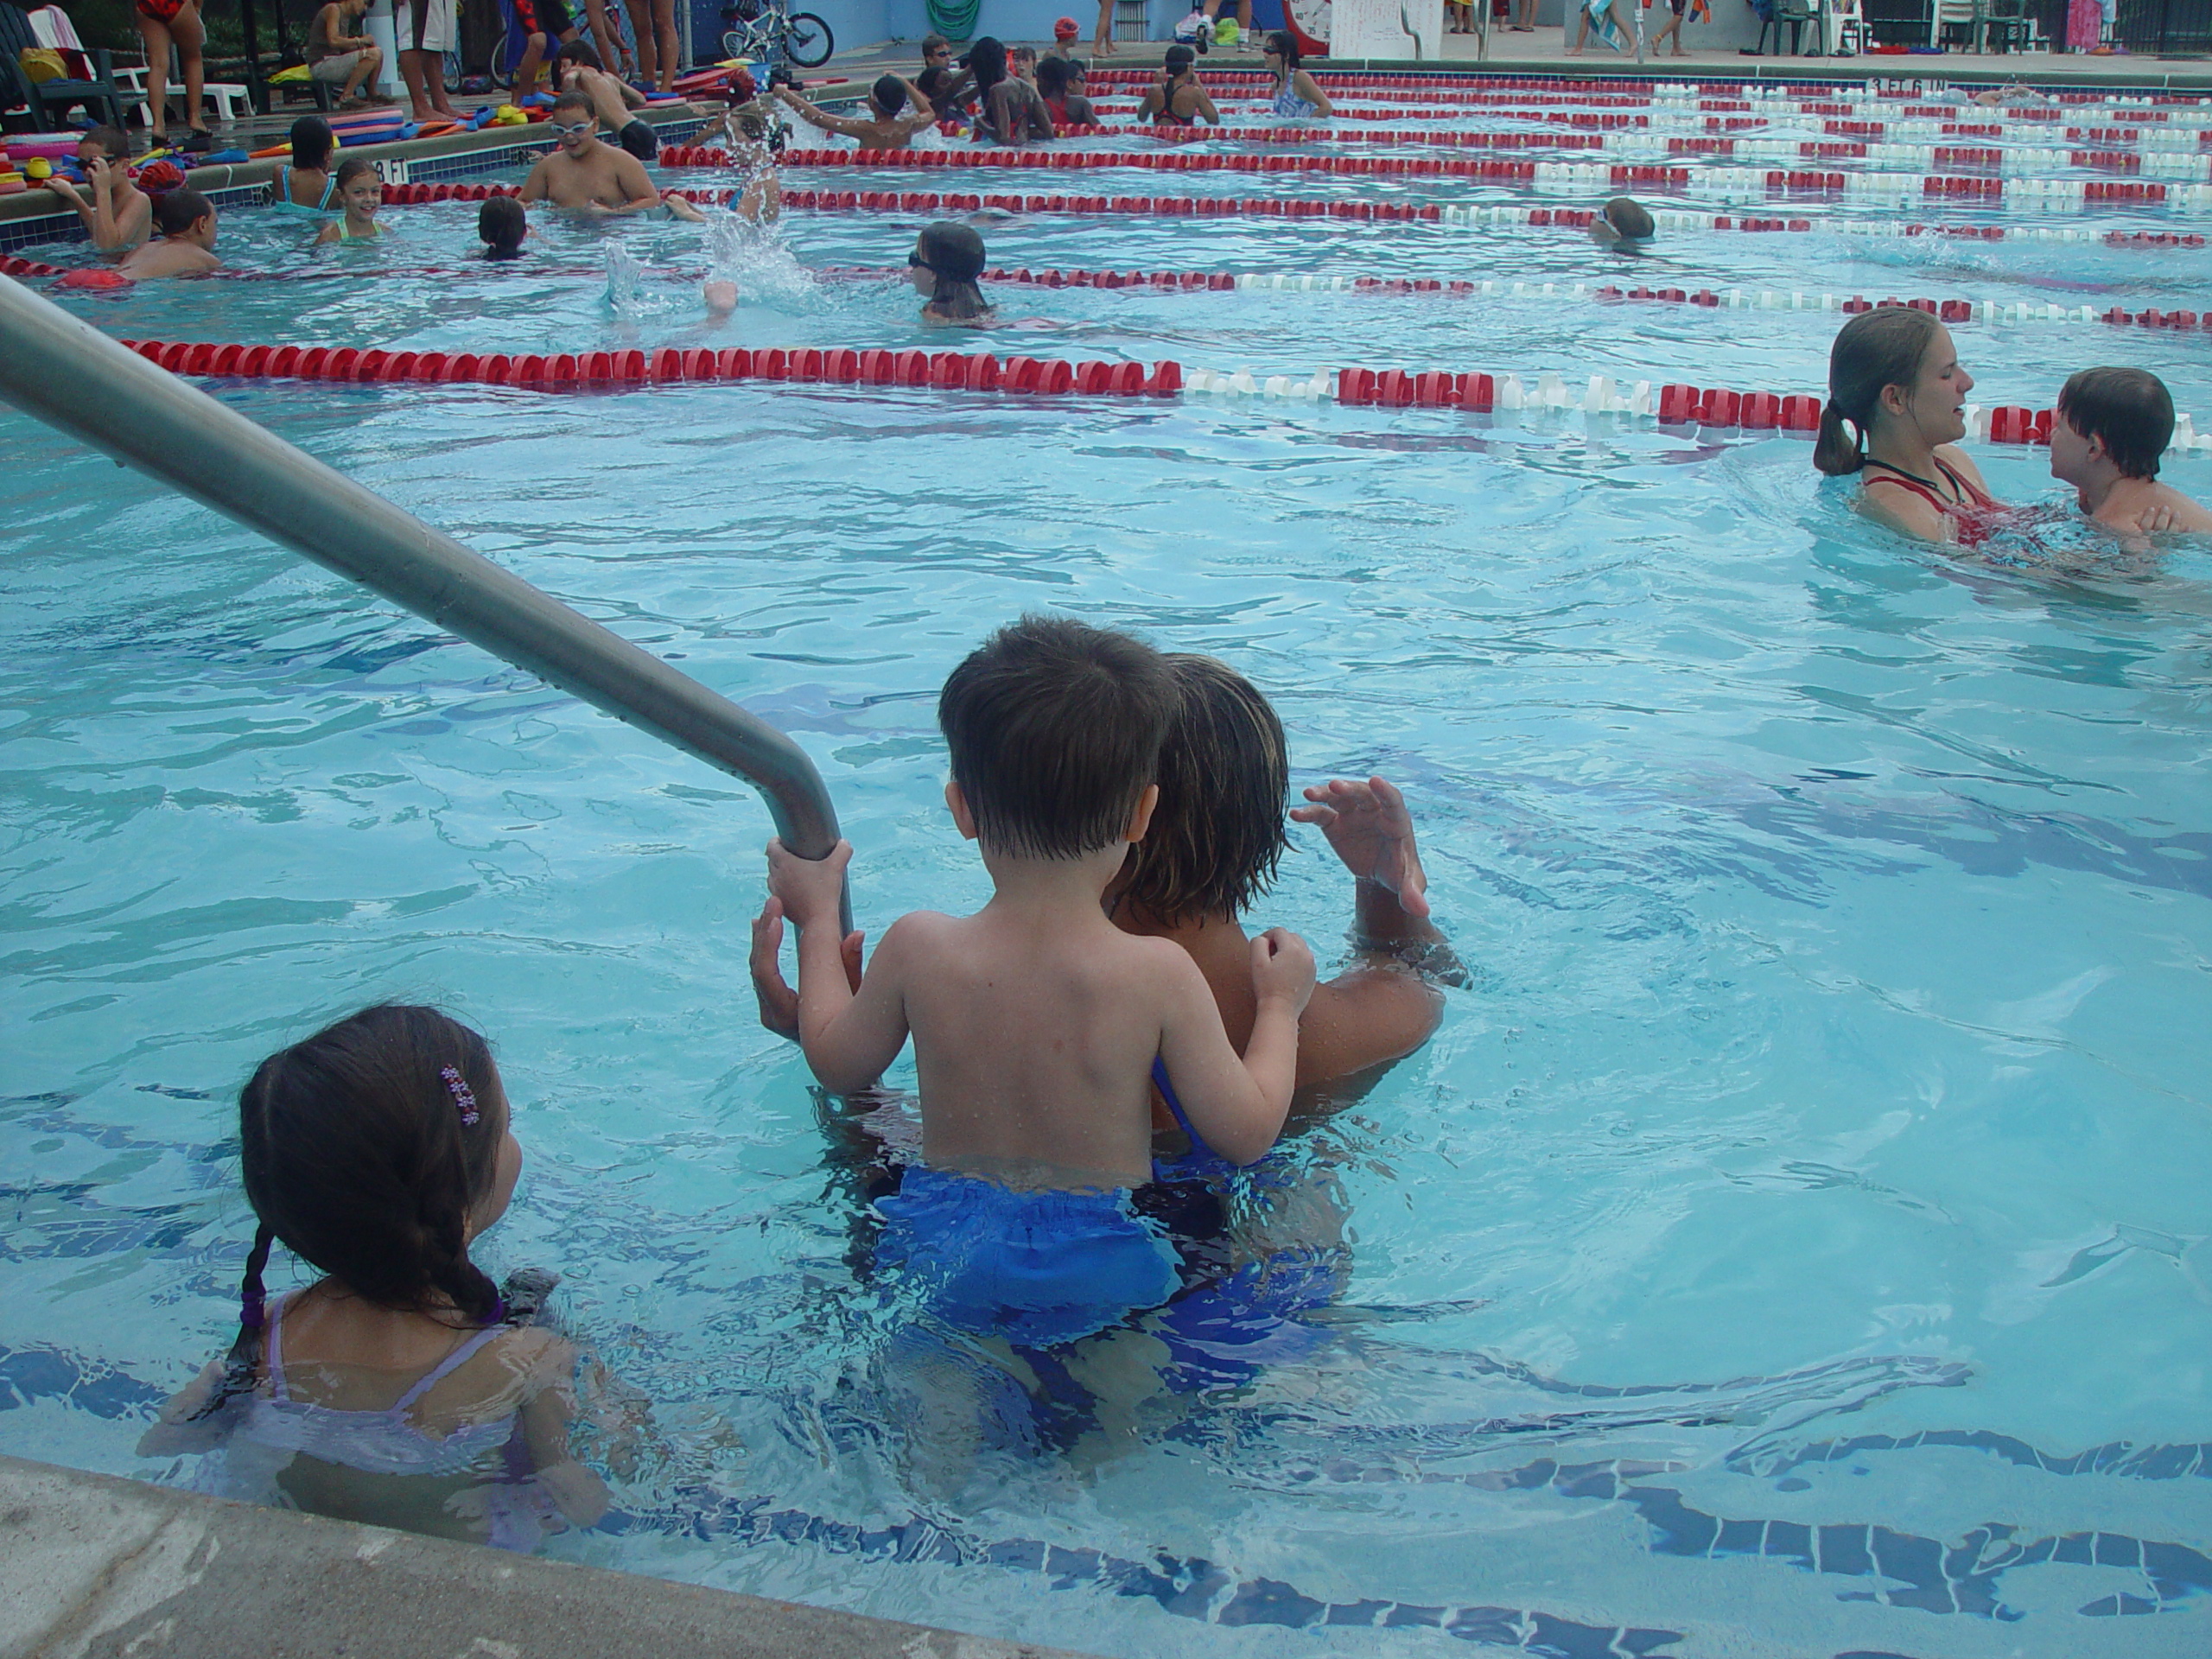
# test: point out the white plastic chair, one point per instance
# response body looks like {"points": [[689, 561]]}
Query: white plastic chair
{"points": [[53, 28]]}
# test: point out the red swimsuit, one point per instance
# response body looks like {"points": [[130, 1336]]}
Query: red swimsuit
{"points": [[1969, 506]]}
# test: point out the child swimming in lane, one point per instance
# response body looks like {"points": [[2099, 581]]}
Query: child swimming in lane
{"points": [[502, 226], [1038, 1024], [1624, 225], [394, 1390], [946, 262], [360, 193], [2110, 428]]}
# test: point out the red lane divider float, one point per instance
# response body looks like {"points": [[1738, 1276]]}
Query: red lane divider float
{"points": [[1147, 159], [1678, 405], [1159, 206], [576, 370]]}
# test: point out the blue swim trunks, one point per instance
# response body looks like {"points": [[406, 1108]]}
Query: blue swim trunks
{"points": [[1039, 1267]]}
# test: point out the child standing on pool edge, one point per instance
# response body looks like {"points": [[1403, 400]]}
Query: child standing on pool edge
{"points": [[393, 1390], [1037, 1023]]}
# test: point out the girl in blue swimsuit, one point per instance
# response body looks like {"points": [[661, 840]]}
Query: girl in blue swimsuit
{"points": [[1298, 95]]}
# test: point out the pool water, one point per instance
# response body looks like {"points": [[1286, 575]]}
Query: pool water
{"points": [[1792, 1243]]}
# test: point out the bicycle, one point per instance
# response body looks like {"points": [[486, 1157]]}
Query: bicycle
{"points": [[764, 29], [507, 56]]}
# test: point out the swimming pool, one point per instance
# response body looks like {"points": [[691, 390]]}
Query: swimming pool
{"points": [[1788, 1245]]}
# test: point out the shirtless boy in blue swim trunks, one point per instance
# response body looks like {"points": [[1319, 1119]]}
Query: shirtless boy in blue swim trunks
{"points": [[1036, 1021]]}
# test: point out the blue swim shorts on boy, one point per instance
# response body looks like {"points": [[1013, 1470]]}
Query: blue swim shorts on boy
{"points": [[1039, 1267]]}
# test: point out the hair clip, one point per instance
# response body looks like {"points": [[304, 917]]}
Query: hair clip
{"points": [[463, 1096]]}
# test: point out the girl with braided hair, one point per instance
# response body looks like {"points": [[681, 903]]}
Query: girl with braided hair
{"points": [[401, 1387]]}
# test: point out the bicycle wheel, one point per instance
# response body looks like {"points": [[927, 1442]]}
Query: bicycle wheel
{"points": [[451, 64], [807, 41]]}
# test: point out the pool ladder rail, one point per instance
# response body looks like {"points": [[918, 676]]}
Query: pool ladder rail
{"points": [[66, 373]]}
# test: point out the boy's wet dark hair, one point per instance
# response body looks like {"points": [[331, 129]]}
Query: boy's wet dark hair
{"points": [[888, 95], [352, 168], [2128, 411], [1055, 730], [579, 52], [502, 223], [1224, 777], [934, 85], [114, 142], [177, 211], [1631, 218], [578, 101], [312, 142]]}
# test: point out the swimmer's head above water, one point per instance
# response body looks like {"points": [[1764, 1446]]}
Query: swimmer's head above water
{"points": [[502, 225], [947, 259], [1224, 772], [1891, 370], [1055, 731], [2122, 419], [1624, 225]]}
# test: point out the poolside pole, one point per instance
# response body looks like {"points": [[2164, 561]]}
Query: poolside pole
{"points": [[71, 376]]}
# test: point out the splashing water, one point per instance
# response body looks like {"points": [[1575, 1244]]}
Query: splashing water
{"points": [[623, 275]]}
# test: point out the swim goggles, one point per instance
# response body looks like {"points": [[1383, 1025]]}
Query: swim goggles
{"points": [[560, 129]]}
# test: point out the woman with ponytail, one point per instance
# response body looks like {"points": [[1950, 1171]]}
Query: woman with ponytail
{"points": [[1896, 412], [400, 1388]]}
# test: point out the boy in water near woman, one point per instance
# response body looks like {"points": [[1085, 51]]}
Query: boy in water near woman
{"points": [[1038, 1026]]}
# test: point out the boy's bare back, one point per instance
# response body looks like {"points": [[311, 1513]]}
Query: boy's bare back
{"points": [[1036, 1021]]}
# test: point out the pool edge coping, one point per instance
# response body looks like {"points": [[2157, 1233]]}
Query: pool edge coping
{"points": [[99, 1565]]}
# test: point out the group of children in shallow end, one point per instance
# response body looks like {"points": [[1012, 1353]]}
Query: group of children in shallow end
{"points": [[402, 1386]]}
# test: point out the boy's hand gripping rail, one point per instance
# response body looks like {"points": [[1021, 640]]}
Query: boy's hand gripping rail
{"points": [[71, 376]]}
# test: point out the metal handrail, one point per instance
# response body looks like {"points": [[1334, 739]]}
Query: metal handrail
{"points": [[70, 375]]}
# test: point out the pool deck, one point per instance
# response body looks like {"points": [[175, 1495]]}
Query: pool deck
{"points": [[93, 1566]]}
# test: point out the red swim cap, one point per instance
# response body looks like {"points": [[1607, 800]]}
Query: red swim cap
{"points": [[742, 90], [156, 176], [1066, 29]]}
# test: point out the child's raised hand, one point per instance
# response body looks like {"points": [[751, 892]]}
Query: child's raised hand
{"points": [[1283, 969], [808, 887], [778, 1001]]}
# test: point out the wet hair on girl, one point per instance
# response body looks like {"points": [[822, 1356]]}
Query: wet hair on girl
{"points": [[1284, 47], [987, 57], [352, 168], [1178, 60], [312, 142], [954, 255], [1052, 76], [364, 1149], [502, 223], [1874, 351], [1224, 782]]}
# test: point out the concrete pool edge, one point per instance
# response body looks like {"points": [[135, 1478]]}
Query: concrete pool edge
{"points": [[96, 1565]]}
